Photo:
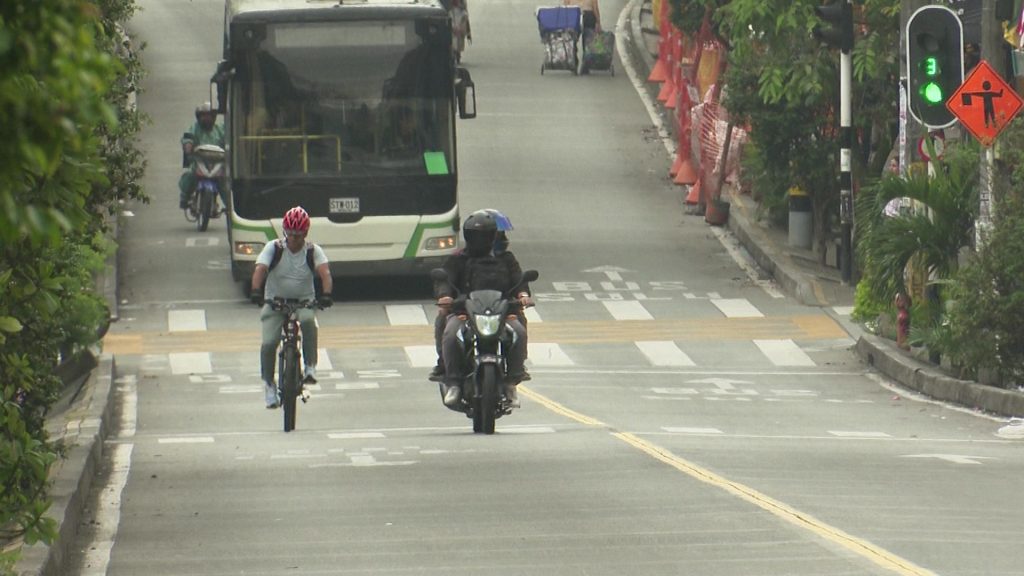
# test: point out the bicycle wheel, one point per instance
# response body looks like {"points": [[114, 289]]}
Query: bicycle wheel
{"points": [[289, 386]]}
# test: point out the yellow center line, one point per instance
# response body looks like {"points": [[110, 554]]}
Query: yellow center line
{"points": [[802, 520]]}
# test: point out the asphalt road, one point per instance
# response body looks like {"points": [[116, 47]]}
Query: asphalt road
{"points": [[683, 418]]}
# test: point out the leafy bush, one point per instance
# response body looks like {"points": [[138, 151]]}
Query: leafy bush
{"points": [[988, 311]]}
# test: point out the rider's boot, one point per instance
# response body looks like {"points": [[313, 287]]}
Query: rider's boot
{"points": [[452, 394], [512, 395]]}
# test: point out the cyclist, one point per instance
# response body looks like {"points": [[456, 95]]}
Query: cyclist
{"points": [[288, 268]]}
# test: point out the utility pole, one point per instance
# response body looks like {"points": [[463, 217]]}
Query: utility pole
{"points": [[991, 43], [840, 35]]}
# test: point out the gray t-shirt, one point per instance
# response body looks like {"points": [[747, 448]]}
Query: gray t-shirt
{"points": [[291, 278]]}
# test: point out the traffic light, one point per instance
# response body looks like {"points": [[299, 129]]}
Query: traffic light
{"points": [[935, 63], [840, 32]]}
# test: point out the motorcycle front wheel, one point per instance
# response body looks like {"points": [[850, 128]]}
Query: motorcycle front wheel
{"points": [[486, 399]]}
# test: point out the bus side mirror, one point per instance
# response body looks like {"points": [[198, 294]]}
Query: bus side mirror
{"points": [[219, 86], [465, 92]]}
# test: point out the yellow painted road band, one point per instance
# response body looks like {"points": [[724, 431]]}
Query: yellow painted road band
{"points": [[818, 327], [877, 555]]}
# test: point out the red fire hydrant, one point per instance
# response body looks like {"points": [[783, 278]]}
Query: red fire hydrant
{"points": [[902, 320]]}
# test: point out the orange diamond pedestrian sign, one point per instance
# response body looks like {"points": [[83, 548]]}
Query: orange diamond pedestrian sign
{"points": [[984, 103]]}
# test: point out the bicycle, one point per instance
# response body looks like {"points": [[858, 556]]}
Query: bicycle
{"points": [[289, 356]]}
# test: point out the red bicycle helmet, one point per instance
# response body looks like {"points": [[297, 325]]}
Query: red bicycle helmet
{"points": [[296, 220]]}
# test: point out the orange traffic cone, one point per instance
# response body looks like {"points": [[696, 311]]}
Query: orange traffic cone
{"points": [[693, 197], [685, 174], [658, 73]]}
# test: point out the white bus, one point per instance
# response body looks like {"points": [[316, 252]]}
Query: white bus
{"points": [[348, 109]]}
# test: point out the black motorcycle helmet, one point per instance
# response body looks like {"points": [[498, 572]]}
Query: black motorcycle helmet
{"points": [[479, 230]]}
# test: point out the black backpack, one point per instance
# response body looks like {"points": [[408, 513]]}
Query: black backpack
{"points": [[487, 273], [318, 285]]}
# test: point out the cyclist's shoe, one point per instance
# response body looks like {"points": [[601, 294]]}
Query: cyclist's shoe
{"points": [[183, 205], [437, 374], [304, 394], [518, 377], [270, 393], [310, 377]]}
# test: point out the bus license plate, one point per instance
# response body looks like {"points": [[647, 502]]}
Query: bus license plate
{"points": [[344, 205]]}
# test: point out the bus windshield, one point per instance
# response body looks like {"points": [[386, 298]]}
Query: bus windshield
{"points": [[342, 101]]}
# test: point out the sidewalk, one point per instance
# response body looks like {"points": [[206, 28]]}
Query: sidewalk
{"points": [[799, 274]]}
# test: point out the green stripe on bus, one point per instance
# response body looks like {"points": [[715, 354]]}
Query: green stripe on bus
{"points": [[417, 236], [267, 230]]}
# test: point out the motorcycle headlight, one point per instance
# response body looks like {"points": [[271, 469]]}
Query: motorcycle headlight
{"points": [[487, 324]]}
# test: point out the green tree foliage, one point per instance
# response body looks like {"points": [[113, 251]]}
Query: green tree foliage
{"points": [[784, 85], [988, 300], [931, 233], [66, 158]]}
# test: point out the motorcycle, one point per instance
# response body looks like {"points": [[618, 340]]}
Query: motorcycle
{"points": [[485, 337], [208, 168]]}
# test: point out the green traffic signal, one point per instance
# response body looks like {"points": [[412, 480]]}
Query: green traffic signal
{"points": [[932, 93], [930, 66]]}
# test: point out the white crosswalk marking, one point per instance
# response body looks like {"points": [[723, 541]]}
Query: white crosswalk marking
{"points": [[784, 353], [406, 315], [323, 361], [532, 315], [627, 310], [421, 356], [548, 354], [190, 363], [664, 353], [737, 308], [186, 320]]}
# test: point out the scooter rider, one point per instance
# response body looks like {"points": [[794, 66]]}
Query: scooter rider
{"points": [[205, 130], [292, 278], [474, 268]]}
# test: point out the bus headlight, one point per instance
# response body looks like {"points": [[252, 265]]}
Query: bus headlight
{"points": [[248, 248], [440, 243]]}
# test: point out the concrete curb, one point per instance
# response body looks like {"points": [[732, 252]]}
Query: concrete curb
{"points": [[85, 427], [926, 379]]}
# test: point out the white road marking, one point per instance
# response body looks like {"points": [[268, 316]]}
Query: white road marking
{"points": [[664, 353], [357, 386], [190, 362], [690, 430], [421, 356], [532, 316], [858, 434], [187, 440], [736, 308], [323, 360], [186, 320], [406, 315], [354, 435], [627, 310], [107, 516], [547, 354], [784, 353], [954, 458]]}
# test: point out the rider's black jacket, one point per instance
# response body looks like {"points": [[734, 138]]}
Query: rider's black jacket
{"points": [[458, 268]]}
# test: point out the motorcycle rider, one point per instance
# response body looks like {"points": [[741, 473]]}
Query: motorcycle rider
{"points": [[501, 243], [291, 277], [465, 271], [205, 130]]}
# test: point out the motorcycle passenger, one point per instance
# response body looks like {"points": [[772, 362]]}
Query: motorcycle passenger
{"points": [[205, 130], [292, 278], [480, 231]]}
